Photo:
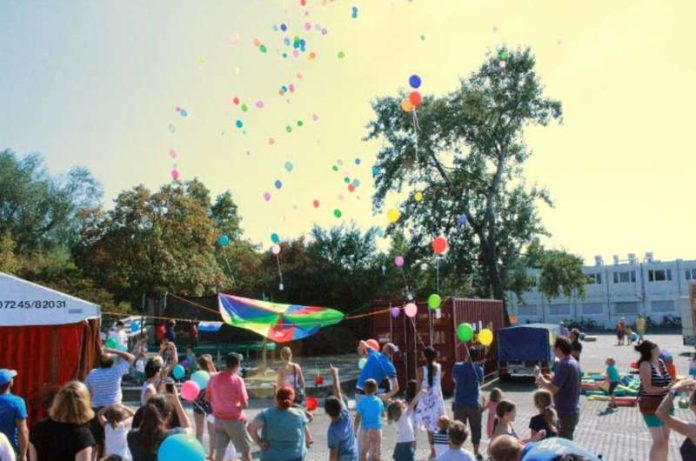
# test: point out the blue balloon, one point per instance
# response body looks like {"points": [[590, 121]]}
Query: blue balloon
{"points": [[224, 240], [135, 326], [201, 378], [181, 447], [462, 219], [278, 184], [376, 171], [178, 372], [415, 81], [275, 238]]}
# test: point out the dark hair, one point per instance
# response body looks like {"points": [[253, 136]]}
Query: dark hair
{"points": [[575, 332], [152, 367], [153, 426], [457, 433], [645, 350], [120, 324], [333, 406], [569, 457], [430, 355], [232, 360], [370, 386], [106, 360], [563, 343], [285, 397], [503, 407], [4, 387], [394, 410], [411, 390]]}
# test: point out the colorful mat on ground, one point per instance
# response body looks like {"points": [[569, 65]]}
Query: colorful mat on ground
{"points": [[278, 322]]}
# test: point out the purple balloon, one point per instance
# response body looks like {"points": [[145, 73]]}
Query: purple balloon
{"points": [[395, 311]]}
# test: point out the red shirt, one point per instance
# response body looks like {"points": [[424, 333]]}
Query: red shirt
{"points": [[227, 394]]}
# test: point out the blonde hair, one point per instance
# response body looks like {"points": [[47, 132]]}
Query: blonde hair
{"points": [[543, 400], [286, 353], [72, 404], [496, 395], [444, 422]]}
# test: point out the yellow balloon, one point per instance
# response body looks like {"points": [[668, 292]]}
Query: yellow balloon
{"points": [[486, 337], [393, 215], [406, 105], [418, 196]]}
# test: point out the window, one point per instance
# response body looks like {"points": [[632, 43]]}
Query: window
{"points": [[527, 310], [659, 275], [592, 308], [625, 277], [626, 308], [559, 309], [662, 306], [594, 279], [690, 274]]}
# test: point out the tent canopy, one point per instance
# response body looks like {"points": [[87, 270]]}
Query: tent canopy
{"points": [[23, 303]]}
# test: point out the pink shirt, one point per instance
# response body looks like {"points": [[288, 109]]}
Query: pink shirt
{"points": [[227, 394]]}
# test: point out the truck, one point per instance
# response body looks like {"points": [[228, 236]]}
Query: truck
{"points": [[523, 347]]}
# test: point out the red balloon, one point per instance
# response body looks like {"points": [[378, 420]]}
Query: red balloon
{"points": [[415, 98], [316, 203], [373, 344], [439, 245]]}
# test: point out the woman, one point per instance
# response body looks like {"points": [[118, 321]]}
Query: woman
{"points": [[65, 435], [290, 375], [155, 425], [688, 448], [202, 409], [153, 379], [283, 429], [431, 405], [654, 385]]}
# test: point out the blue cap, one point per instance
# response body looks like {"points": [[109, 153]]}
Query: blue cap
{"points": [[6, 376]]}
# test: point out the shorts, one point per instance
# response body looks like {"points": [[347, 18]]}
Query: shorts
{"points": [[404, 451], [653, 420], [234, 431], [612, 387]]}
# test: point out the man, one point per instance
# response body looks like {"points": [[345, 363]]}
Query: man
{"points": [[227, 395], [467, 377], [575, 344], [377, 367], [562, 328], [640, 327], [565, 387], [104, 384], [620, 331], [13, 415]]}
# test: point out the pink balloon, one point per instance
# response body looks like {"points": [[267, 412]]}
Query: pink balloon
{"points": [[411, 310], [172, 153], [315, 117], [259, 104], [175, 174], [399, 261], [267, 196], [190, 390]]}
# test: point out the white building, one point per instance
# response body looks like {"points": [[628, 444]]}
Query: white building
{"points": [[623, 289]]}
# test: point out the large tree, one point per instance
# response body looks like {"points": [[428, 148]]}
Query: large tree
{"points": [[465, 152]]}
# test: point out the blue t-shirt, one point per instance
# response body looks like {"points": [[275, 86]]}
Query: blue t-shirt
{"points": [[377, 367], [370, 410], [548, 449], [467, 390], [284, 432], [566, 377], [613, 374], [12, 408], [342, 436]]}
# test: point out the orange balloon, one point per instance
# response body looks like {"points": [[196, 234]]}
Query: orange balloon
{"points": [[373, 344], [439, 245], [406, 105], [415, 98]]}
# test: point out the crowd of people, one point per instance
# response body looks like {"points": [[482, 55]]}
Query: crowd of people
{"points": [[87, 421]]}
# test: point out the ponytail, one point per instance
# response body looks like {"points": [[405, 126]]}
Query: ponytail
{"points": [[153, 426], [430, 356]]}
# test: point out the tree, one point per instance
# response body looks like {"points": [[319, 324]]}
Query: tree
{"points": [[465, 151], [9, 262], [561, 273]]}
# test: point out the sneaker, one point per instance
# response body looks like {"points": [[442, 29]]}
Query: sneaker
{"points": [[479, 457]]}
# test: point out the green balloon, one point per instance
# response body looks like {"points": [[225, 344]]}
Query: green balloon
{"points": [[503, 55], [434, 301], [111, 343], [465, 332]]}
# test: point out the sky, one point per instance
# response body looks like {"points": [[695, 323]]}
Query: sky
{"points": [[106, 85]]}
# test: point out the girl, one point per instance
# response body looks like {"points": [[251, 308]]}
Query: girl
{"points": [[506, 412], [547, 419], [432, 404], [402, 413], [202, 410], [655, 382], [116, 421], [494, 397]]}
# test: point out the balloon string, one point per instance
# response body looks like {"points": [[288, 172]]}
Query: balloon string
{"points": [[280, 273], [437, 272], [415, 131], [229, 269]]}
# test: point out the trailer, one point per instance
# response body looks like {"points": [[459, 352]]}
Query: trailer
{"points": [[523, 347]]}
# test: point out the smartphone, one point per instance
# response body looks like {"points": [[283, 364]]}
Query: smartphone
{"points": [[169, 387]]}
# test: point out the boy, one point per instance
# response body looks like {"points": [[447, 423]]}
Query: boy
{"points": [[340, 436], [613, 379], [457, 436], [369, 420]]}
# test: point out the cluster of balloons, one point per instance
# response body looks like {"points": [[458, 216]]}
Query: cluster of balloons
{"points": [[191, 388], [465, 333], [414, 99]]}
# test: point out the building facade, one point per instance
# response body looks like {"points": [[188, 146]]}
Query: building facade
{"points": [[655, 289]]}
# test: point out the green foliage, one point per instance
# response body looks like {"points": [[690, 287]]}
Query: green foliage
{"points": [[561, 273], [9, 262]]}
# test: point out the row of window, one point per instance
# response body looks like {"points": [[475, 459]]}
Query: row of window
{"points": [[654, 275], [623, 308]]}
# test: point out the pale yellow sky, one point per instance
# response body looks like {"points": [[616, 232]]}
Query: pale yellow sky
{"points": [[96, 84]]}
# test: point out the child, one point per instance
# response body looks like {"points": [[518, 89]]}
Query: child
{"points": [[457, 436], [505, 412], [412, 389], [402, 413], [494, 397], [613, 380], [547, 419], [369, 420], [116, 421], [192, 361], [440, 438], [341, 434], [629, 334]]}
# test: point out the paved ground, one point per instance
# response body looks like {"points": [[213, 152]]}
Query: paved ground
{"points": [[618, 435]]}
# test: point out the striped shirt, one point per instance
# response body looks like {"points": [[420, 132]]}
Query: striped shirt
{"points": [[662, 379], [105, 384], [440, 442]]}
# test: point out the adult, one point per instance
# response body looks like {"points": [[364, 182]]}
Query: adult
{"points": [[341, 433], [575, 344], [654, 385], [640, 327], [562, 329], [227, 394], [202, 410], [154, 384], [13, 415], [157, 424], [290, 375], [688, 429], [169, 332], [160, 332], [65, 434], [169, 354], [104, 384], [377, 367], [389, 351], [620, 331], [468, 377], [283, 429], [432, 404], [193, 334], [565, 387]]}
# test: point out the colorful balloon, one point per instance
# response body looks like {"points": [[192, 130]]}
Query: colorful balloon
{"points": [[275, 249], [418, 196], [178, 372], [111, 343], [399, 261], [289, 166], [135, 326], [275, 238], [415, 98], [267, 196], [201, 377], [190, 390], [485, 337], [337, 213], [462, 219], [315, 203], [406, 105], [175, 175], [278, 183], [465, 332], [410, 310], [239, 124], [414, 81], [395, 312], [373, 344], [181, 447], [439, 245], [393, 215], [434, 301], [223, 240]]}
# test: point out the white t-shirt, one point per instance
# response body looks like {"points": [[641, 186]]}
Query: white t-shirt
{"points": [[121, 337], [404, 428], [116, 440], [6, 451], [456, 455]]}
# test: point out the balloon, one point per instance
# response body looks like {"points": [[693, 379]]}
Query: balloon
{"points": [[634, 336], [418, 196], [393, 215], [485, 337], [175, 174], [267, 196], [259, 104], [185, 363], [406, 105], [135, 326], [411, 310], [394, 311], [190, 390], [439, 245], [111, 343], [465, 332], [415, 98], [275, 238], [399, 261], [315, 203], [178, 372], [337, 213], [434, 301], [201, 377], [239, 124], [415, 81], [503, 55], [312, 403], [373, 344], [361, 363], [288, 166], [223, 240], [351, 187], [235, 101], [181, 447], [341, 55], [275, 249], [462, 219], [513, 319]]}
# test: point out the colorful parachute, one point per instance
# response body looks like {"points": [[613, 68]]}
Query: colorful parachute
{"points": [[278, 322]]}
